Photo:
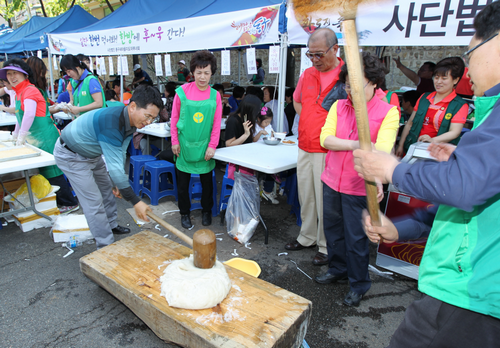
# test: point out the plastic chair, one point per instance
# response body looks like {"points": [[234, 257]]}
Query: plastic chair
{"points": [[132, 151], [135, 176], [195, 193], [156, 184], [154, 150], [225, 191]]}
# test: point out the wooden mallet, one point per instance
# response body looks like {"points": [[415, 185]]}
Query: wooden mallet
{"points": [[203, 243], [347, 10]]}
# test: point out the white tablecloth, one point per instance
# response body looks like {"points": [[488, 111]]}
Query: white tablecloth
{"points": [[269, 159]]}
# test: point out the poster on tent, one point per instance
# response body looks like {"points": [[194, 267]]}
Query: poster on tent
{"points": [[398, 23], [256, 26], [305, 62], [111, 68], [225, 57], [124, 64], [168, 65], [251, 63], [274, 59], [158, 65]]}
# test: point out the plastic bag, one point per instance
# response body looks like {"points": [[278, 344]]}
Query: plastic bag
{"points": [[40, 187], [243, 208]]}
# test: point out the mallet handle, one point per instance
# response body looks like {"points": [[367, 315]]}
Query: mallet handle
{"points": [[170, 228], [355, 71]]}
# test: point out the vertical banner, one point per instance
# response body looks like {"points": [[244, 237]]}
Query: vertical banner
{"points": [[225, 62], [98, 65], [103, 66], [54, 62], [274, 59], [91, 65], [304, 61], [158, 65], [168, 65], [124, 65], [251, 64], [111, 68], [39, 54], [119, 66], [59, 59]]}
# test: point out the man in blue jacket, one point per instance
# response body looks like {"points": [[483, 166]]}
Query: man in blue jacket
{"points": [[460, 270], [79, 150]]}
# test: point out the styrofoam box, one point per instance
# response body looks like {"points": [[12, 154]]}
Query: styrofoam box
{"points": [[34, 221], [48, 202], [70, 225]]}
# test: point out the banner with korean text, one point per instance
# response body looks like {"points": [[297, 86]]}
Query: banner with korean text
{"points": [[398, 23], [255, 26]]}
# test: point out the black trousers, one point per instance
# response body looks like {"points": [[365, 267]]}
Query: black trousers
{"points": [[431, 323], [64, 196], [346, 242], [183, 189]]}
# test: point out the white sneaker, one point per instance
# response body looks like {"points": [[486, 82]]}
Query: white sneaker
{"points": [[271, 197]]}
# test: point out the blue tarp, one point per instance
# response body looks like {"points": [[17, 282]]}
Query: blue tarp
{"points": [[32, 35], [135, 12]]}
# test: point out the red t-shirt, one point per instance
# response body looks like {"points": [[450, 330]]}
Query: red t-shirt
{"points": [[436, 112], [29, 91], [464, 86]]}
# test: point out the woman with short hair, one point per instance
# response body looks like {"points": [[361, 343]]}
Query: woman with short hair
{"points": [[195, 132], [438, 117]]}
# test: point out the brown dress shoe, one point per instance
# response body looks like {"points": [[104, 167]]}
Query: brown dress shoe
{"points": [[320, 259], [295, 245]]}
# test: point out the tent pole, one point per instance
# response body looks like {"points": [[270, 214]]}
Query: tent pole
{"points": [[51, 71], [121, 78], [239, 65], [282, 81]]}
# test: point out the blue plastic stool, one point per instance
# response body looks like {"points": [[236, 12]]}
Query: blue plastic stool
{"points": [[156, 183], [195, 193], [154, 150], [132, 151], [135, 171], [226, 190], [69, 184]]}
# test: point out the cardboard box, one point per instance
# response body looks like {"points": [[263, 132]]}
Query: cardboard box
{"points": [[70, 225], [34, 221], [11, 186]]}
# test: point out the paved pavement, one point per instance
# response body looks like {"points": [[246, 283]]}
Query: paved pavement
{"points": [[46, 301]]}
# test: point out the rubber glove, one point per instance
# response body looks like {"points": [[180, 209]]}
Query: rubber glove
{"points": [[21, 139]]}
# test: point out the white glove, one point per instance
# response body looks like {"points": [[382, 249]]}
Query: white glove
{"points": [[21, 139]]}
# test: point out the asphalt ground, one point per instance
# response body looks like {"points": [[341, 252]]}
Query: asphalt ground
{"points": [[45, 300]]}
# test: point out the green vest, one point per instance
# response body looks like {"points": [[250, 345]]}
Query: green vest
{"points": [[423, 105], [461, 261], [196, 120], [84, 97], [43, 134]]}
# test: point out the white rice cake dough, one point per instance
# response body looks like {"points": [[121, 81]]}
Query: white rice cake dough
{"points": [[188, 287]]}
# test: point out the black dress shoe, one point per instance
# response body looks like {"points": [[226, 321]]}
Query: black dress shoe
{"points": [[120, 230], [320, 259], [206, 219], [352, 299], [295, 245], [186, 222], [328, 278]]}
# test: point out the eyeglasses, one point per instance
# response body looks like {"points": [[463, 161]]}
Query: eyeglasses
{"points": [[466, 55], [318, 55], [150, 119], [348, 87]]}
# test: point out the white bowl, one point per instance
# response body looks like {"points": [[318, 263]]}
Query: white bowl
{"points": [[280, 135]]}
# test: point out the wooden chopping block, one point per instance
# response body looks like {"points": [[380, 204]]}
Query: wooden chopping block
{"points": [[254, 314]]}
